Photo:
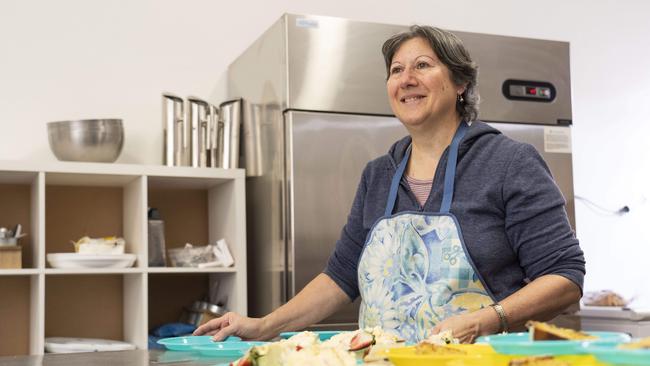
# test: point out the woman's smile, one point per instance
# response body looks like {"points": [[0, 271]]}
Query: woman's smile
{"points": [[412, 98]]}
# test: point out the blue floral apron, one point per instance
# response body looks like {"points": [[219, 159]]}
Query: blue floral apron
{"points": [[414, 270]]}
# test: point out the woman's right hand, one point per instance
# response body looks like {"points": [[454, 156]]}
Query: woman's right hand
{"points": [[235, 325]]}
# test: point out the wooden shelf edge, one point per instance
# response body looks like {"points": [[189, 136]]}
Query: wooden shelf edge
{"points": [[19, 272], [120, 169], [83, 271], [191, 270]]}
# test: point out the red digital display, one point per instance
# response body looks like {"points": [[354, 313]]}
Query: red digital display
{"points": [[532, 91]]}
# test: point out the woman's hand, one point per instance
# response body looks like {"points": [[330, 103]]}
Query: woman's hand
{"points": [[233, 324], [469, 326]]}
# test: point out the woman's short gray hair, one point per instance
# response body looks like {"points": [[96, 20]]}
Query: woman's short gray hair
{"points": [[451, 52]]}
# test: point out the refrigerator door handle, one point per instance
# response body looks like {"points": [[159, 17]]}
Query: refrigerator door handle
{"points": [[284, 277], [287, 216]]}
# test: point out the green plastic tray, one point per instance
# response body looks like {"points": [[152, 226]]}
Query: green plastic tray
{"points": [[521, 344], [186, 343], [611, 354], [226, 349]]}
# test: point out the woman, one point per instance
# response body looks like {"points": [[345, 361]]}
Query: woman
{"points": [[457, 228]]}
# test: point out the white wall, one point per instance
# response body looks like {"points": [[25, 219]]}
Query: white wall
{"points": [[76, 59]]}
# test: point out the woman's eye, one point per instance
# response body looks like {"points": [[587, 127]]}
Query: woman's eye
{"points": [[395, 70], [421, 65]]}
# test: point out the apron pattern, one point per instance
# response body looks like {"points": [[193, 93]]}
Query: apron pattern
{"points": [[414, 271], [411, 284]]}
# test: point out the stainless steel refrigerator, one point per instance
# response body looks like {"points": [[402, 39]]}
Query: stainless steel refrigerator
{"points": [[315, 112]]}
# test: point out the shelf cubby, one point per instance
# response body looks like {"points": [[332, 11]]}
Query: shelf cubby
{"points": [[94, 205], [20, 330], [20, 199]]}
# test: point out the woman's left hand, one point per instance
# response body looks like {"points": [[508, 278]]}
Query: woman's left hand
{"points": [[469, 326]]}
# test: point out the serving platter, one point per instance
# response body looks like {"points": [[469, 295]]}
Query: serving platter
{"points": [[521, 344]]}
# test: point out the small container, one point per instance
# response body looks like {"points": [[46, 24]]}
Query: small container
{"points": [[8, 241], [217, 309], [11, 256], [201, 312], [156, 239]]}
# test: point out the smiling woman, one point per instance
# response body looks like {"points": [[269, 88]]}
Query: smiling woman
{"points": [[484, 250]]}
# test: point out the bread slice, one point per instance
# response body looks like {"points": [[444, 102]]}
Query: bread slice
{"points": [[643, 343], [540, 331]]}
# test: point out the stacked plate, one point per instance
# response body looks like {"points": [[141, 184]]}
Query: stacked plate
{"points": [[73, 345], [76, 260]]}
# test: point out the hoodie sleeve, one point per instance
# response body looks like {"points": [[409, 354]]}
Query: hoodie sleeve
{"points": [[536, 221], [343, 263]]}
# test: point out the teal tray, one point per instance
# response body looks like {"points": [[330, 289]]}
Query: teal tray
{"points": [[186, 343], [611, 354], [226, 349], [323, 335], [520, 343]]}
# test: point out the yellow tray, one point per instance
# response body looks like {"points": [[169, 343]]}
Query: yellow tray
{"points": [[477, 355]]}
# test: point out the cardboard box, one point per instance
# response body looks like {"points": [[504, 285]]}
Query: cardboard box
{"points": [[11, 257]]}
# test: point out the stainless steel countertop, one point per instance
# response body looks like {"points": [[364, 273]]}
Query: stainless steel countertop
{"points": [[125, 358]]}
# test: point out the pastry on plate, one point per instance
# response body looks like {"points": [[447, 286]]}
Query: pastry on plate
{"points": [[540, 331], [643, 343]]}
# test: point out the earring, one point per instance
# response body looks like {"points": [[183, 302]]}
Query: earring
{"points": [[460, 98]]}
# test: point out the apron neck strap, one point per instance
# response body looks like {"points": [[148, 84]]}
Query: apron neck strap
{"points": [[397, 177], [450, 173]]}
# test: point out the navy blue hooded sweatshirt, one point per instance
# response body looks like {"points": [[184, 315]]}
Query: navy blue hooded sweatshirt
{"points": [[511, 213]]}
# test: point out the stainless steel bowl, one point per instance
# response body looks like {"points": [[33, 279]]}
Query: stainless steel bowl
{"points": [[93, 140]]}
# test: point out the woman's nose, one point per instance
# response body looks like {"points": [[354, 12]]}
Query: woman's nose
{"points": [[407, 78]]}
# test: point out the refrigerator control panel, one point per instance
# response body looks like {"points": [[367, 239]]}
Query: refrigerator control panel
{"points": [[534, 91]]}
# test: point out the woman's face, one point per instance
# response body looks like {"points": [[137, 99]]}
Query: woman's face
{"points": [[419, 86]]}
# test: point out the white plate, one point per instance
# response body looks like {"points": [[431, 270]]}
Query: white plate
{"points": [[75, 260], [613, 312], [71, 345]]}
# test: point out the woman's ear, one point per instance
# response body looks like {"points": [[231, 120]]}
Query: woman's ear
{"points": [[461, 89]]}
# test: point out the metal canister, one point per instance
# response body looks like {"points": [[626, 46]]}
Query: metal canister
{"points": [[174, 145], [231, 114], [215, 134], [197, 115]]}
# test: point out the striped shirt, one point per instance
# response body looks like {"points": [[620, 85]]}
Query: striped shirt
{"points": [[420, 188]]}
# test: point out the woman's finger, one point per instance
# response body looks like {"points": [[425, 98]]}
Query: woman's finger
{"points": [[212, 325], [224, 332]]}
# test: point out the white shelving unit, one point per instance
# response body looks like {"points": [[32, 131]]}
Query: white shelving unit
{"points": [[60, 202]]}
